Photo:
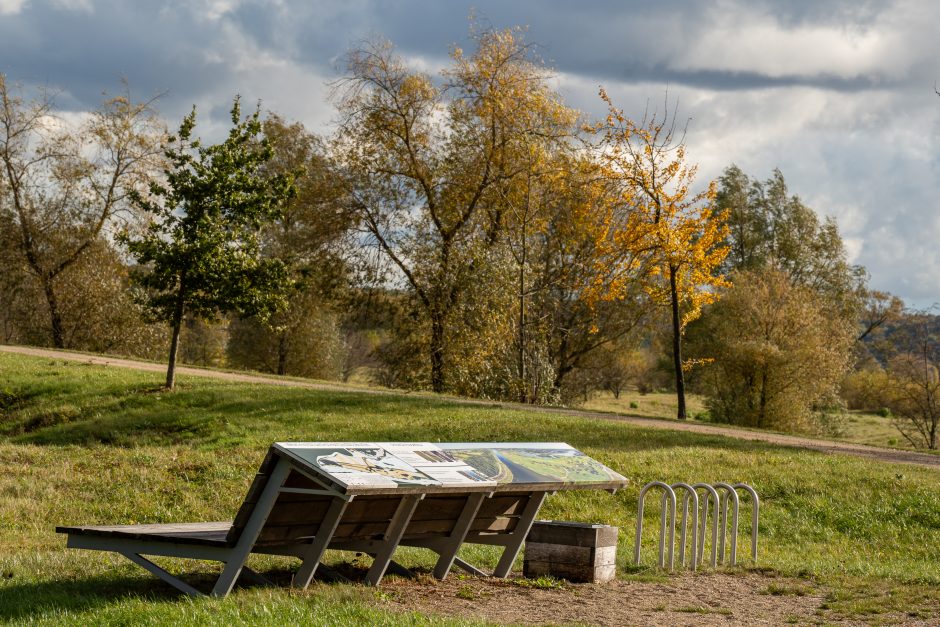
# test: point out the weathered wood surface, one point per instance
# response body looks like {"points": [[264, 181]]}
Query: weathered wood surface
{"points": [[561, 554], [579, 552], [575, 573], [572, 533], [205, 533], [298, 516]]}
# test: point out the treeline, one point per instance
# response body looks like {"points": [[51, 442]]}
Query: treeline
{"points": [[466, 233]]}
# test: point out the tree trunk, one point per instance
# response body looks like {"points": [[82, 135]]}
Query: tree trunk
{"points": [[560, 373], [437, 352], [282, 353], [677, 345], [58, 336], [933, 433], [523, 385], [175, 341], [762, 409]]}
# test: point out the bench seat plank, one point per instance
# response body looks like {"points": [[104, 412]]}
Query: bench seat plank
{"points": [[204, 533]]}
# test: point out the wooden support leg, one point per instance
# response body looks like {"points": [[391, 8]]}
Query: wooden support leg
{"points": [[394, 568], [448, 549], [314, 553], [519, 534], [162, 574], [329, 574], [393, 535], [470, 568], [255, 577], [249, 535]]}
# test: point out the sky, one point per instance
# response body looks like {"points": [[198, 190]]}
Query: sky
{"points": [[840, 95]]}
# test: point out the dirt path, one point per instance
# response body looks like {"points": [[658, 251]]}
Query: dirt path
{"points": [[741, 598], [826, 446]]}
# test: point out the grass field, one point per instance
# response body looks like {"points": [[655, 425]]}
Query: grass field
{"points": [[857, 426], [87, 444], [652, 405]]}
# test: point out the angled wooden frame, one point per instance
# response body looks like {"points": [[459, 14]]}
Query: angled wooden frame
{"points": [[293, 511]]}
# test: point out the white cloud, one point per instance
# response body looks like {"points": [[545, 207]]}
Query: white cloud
{"points": [[12, 7], [282, 85], [85, 6], [745, 37], [869, 159]]}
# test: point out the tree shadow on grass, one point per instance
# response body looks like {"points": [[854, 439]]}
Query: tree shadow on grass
{"points": [[214, 415], [34, 599], [206, 416]]}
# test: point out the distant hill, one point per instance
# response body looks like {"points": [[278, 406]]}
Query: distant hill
{"points": [[905, 335]]}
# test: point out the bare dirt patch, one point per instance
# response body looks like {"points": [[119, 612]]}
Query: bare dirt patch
{"points": [[707, 599], [751, 598]]}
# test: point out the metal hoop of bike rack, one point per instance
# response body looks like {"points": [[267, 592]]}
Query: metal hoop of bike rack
{"points": [[755, 514], [711, 495], [690, 494], [720, 495], [670, 497]]}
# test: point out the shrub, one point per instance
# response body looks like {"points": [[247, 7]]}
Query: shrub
{"points": [[780, 352]]}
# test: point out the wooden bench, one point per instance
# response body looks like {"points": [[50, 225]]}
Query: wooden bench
{"points": [[367, 497]]}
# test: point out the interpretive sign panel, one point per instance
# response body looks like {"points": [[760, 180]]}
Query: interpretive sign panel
{"points": [[465, 464]]}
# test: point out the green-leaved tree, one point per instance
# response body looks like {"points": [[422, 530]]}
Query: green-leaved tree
{"points": [[201, 253]]}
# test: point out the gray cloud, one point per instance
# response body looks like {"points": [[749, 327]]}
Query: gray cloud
{"points": [[838, 94]]}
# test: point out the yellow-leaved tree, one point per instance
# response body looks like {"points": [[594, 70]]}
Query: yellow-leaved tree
{"points": [[658, 232], [428, 166]]}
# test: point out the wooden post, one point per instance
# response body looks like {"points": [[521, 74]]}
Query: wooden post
{"points": [[578, 552]]}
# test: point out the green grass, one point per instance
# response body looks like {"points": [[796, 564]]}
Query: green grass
{"points": [[86, 444], [872, 429], [652, 405], [857, 427]]}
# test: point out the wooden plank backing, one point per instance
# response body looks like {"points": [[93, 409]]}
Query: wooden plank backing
{"points": [[297, 517], [572, 533]]}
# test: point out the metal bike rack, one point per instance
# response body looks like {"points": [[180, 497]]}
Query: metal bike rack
{"points": [[729, 495], [720, 495], [670, 497], [711, 495], [690, 494], [755, 514]]}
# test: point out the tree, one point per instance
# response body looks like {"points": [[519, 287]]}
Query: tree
{"points": [[670, 239], [98, 310], [310, 236], [571, 262], [748, 227], [878, 310], [529, 206], [426, 164], [553, 218], [201, 252], [912, 390], [64, 185], [19, 294], [304, 340], [772, 228], [779, 352]]}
